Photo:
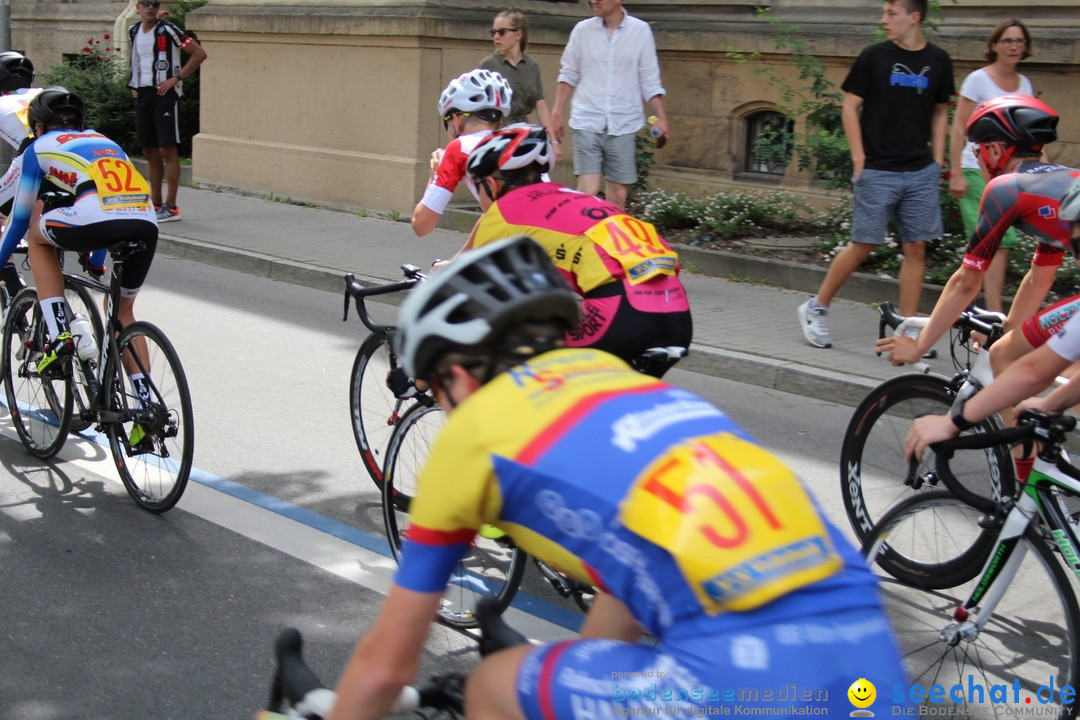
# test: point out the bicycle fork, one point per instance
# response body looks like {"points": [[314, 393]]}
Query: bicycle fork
{"points": [[996, 576]]}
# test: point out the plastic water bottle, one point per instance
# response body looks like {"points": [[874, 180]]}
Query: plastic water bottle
{"points": [[653, 130], [83, 331]]}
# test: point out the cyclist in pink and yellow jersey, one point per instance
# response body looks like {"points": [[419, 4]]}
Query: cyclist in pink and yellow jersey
{"points": [[626, 274]]}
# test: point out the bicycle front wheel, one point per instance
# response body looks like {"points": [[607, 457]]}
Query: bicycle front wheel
{"points": [[492, 568], [39, 402], [874, 475], [1031, 635], [153, 439], [374, 409]]}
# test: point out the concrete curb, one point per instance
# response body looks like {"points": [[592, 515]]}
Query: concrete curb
{"points": [[758, 370]]}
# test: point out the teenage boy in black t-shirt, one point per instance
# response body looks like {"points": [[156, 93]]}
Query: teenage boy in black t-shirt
{"points": [[895, 118]]}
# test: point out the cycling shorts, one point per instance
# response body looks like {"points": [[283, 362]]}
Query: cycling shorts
{"points": [[626, 320], [84, 226], [1048, 322], [806, 664]]}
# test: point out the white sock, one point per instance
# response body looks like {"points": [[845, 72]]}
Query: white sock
{"points": [[55, 312]]}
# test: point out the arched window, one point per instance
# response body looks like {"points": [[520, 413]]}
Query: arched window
{"points": [[768, 142]]}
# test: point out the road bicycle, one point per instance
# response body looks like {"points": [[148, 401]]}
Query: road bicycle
{"points": [[391, 417], [374, 407], [874, 473], [296, 692], [975, 585], [152, 438]]}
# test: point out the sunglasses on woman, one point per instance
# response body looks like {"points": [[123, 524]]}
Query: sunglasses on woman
{"points": [[501, 31]]}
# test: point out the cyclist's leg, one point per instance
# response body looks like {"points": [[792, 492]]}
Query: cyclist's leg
{"points": [[42, 243]]}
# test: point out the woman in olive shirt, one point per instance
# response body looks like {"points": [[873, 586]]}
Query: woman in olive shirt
{"points": [[510, 33]]}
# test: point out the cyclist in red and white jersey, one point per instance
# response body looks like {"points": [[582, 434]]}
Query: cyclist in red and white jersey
{"points": [[16, 74], [625, 273], [1010, 132], [471, 107]]}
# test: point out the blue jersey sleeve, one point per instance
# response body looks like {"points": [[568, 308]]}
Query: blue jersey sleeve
{"points": [[23, 207]]}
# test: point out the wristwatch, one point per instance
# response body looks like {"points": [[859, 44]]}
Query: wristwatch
{"points": [[958, 418]]}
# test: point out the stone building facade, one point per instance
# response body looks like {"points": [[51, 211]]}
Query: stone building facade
{"points": [[334, 101]]}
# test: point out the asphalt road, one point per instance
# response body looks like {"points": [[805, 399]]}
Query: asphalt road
{"points": [[112, 613]]}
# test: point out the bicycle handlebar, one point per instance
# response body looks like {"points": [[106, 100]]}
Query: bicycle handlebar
{"points": [[358, 292], [295, 682], [1033, 427], [975, 320]]}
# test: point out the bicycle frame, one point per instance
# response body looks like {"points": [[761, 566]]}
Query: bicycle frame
{"points": [[94, 379], [1037, 501]]}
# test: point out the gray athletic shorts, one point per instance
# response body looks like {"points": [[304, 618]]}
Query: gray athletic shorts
{"points": [[609, 155], [912, 197]]}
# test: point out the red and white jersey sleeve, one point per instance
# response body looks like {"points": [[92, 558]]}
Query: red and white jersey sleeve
{"points": [[451, 171]]}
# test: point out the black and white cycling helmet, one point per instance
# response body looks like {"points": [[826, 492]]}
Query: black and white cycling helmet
{"points": [[470, 304], [515, 147], [56, 104], [474, 91], [16, 71]]}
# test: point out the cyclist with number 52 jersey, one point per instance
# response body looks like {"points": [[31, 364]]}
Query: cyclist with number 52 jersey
{"points": [[93, 199], [626, 274], [689, 529]]}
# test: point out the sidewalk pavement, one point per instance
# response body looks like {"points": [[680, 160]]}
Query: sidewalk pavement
{"points": [[744, 332]]}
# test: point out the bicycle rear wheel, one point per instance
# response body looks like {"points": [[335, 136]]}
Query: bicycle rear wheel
{"points": [[874, 475], [40, 404], [493, 567], [1031, 636], [79, 301], [153, 440], [374, 409]]}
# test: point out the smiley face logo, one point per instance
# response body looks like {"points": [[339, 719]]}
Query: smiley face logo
{"points": [[862, 693]]}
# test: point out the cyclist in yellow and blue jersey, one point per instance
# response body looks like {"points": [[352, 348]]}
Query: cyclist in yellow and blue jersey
{"points": [[93, 197], [689, 529], [625, 273]]}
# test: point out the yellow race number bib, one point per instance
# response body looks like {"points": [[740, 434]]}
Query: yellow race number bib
{"points": [[119, 184], [735, 519], [635, 245]]}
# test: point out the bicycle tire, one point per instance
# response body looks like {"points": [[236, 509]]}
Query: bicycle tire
{"points": [[40, 408], [491, 566], [873, 470], [79, 300], [155, 472], [1032, 634], [373, 408]]}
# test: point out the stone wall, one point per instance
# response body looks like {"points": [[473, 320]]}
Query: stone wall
{"points": [[335, 102]]}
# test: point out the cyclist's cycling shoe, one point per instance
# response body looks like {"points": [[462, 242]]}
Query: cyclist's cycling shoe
{"points": [[140, 440], [56, 352], [491, 532]]}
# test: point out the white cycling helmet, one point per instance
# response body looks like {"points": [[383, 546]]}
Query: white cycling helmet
{"points": [[515, 147], [468, 306], [474, 91]]}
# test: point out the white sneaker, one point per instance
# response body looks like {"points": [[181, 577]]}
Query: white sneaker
{"points": [[814, 324]]}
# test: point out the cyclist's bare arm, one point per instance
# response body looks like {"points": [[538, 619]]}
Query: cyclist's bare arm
{"points": [[424, 219], [387, 657], [610, 618], [1030, 294], [1027, 376], [960, 290]]}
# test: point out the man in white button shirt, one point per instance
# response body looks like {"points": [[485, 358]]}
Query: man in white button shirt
{"points": [[610, 68]]}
